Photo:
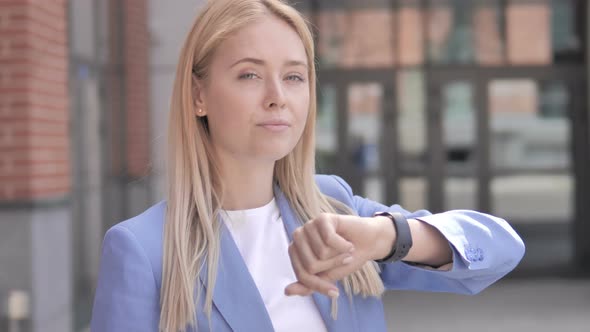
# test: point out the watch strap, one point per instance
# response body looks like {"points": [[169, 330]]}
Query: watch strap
{"points": [[403, 238]]}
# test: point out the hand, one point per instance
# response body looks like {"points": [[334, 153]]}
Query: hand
{"points": [[332, 246]]}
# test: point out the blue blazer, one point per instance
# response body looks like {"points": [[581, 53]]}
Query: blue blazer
{"points": [[127, 298]]}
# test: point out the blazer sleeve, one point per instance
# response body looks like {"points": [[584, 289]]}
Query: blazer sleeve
{"points": [[127, 298], [485, 248]]}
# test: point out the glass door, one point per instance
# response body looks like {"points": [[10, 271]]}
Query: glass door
{"points": [[353, 122], [503, 141]]}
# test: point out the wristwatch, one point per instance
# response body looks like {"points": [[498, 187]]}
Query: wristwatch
{"points": [[403, 239]]}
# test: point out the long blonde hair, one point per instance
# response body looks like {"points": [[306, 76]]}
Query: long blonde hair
{"points": [[191, 230]]}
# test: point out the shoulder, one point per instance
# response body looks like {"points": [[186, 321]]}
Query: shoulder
{"points": [[335, 187], [148, 224], [129, 278], [146, 230]]}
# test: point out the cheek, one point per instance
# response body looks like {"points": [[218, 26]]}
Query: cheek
{"points": [[302, 108], [226, 108]]}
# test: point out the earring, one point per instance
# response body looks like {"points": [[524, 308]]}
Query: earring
{"points": [[200, 112]]}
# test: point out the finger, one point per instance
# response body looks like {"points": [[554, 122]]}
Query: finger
{"points": [[334, 262], [310, 262], [339, 272], [321, 250], [306, 254], [330, 236], [297, 288], [310, 281]]}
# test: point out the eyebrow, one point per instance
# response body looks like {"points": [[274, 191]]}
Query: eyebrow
{"points": [[261, 62]]}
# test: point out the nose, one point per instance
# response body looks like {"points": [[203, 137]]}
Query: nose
{"points": [[275, 96]]}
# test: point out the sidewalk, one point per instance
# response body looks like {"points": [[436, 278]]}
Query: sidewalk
{"points": [[511, 305]]}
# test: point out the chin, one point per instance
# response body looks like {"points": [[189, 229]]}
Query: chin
{"points": [[276, 153]]}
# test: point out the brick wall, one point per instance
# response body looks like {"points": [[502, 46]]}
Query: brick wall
{"points": [[34, 107], [137, 87], [129, 88]]}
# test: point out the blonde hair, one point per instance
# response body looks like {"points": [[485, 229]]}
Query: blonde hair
{"points": [[191, 230]]}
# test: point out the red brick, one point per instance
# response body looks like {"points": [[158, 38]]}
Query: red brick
{"points": [[34, 138]]}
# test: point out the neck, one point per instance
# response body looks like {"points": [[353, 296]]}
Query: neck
{"points": [[247, 184]]}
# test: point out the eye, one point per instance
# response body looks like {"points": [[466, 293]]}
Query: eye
{"points": [[295, 78], [248, 76]]}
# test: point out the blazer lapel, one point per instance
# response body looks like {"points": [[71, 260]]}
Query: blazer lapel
{"points": [[346, 313], [236, 296]]}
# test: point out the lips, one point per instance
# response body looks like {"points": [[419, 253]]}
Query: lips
{"points": [[275, 125]]}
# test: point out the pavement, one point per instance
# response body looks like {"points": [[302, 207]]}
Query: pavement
{"points": [[513, 304]]}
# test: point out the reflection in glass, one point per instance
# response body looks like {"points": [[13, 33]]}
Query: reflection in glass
{"points": [[411, 36], [458, 124], [326, 119], [528, 32], [487, 26], [460, 193], [530, 151], [459, 140], [364, 130], [566, 41], [412, 193], [533, 198], [331, 37], [364, 124], [343, 38], [450, 32], [554, 100], [523, 136], [373, 188], [411, 115], [326, 129]]}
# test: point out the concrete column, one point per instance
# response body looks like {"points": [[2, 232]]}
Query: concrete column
{"points": [[169, 23]]}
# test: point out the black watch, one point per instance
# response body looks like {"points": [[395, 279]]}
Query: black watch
{"points": [[403, 239]]}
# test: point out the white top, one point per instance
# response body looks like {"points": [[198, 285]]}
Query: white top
{"points": [[262, 240]]}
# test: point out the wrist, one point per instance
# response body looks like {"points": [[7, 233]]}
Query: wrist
{"points": [[386, 236]]}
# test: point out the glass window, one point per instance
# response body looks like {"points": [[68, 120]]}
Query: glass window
{"points": [[343, 38], [365, 102], [411, 114], [458, 122], [530, 150], [565, 30], [364, 124], [459, 138], [326, 128], [529, 130], [331, 37], [413, 193], [450, 32], [411, 34], [487, 29], [533, 198], [326, 119], [554, 100]]}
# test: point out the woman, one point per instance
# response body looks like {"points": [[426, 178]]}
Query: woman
{"points": [[250, 239]]}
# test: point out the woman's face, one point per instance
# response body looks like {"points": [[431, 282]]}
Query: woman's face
{"points": [[256, 95]]}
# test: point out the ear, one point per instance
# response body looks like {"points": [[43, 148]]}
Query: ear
{"points": [[198, 92]]}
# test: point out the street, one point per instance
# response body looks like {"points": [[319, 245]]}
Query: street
{"points": [[510, 305]]}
